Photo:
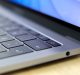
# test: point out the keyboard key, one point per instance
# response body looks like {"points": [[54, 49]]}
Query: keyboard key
{"points": [[18, 32], [8, 54], [43, 37], [2, 49], [12, 44], [5, 38], [22, 49], [27, 29], [34, 33], [53, 43], [15, 52], [26, 37], [38, 44]]}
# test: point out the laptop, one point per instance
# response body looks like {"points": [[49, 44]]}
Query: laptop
{"points": [[33, 32]]}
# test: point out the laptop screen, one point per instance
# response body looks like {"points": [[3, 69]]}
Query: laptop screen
{"points": [[66, 10]]}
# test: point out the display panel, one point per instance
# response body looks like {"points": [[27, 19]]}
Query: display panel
{"points": [[66, 10]]}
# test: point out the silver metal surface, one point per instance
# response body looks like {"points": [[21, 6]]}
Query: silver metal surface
{"points": [[18, 62]]}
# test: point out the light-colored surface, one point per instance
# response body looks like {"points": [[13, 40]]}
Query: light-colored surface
{"points": [[39, 56], [69, 66], [61, 67]]}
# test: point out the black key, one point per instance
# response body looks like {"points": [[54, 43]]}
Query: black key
{"points": [[5, 38], [18, 32], [43, 37], [53, 43], [25, 37], [37, 44], [25, 28], [22, 49], [11, 44], [2, 49], [34, 33]]}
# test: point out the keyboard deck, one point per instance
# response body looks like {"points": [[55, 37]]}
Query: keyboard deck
{"points": [[15, 39]]}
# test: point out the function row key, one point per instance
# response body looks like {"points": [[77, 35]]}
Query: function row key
{"points": [[44, 38], [53, 43], [17, 32]]}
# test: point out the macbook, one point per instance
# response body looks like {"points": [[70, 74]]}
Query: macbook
{"points": [[33, 32]]}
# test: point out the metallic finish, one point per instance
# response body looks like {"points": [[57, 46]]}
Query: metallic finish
{"points": [[18, 62]]}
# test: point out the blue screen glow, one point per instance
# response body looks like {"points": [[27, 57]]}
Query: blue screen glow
{"points": [[67, 10]]}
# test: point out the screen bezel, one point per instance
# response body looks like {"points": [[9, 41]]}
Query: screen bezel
{"points": [[66, 24]]}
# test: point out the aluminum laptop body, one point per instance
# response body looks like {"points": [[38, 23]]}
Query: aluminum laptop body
{"points": [[29, 37]]}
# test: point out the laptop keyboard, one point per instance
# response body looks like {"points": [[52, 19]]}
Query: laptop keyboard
{"points": [[16, 39]]}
